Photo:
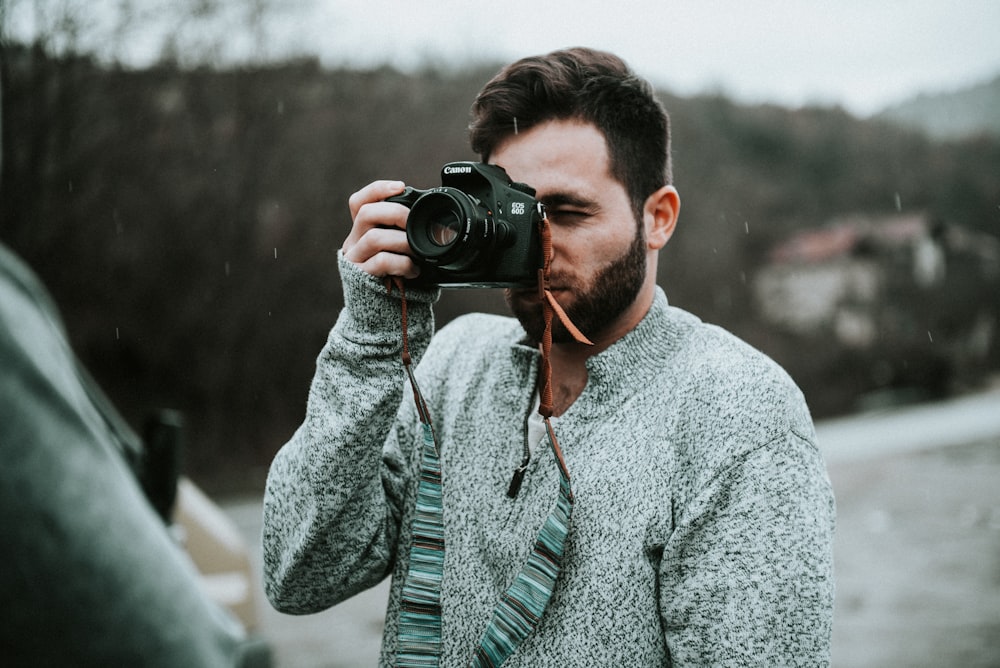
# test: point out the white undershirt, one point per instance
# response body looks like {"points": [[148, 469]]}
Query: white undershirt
{"points": [[536, 426]]}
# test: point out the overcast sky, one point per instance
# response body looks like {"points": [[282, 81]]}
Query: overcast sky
{"points": [[861, 54]]}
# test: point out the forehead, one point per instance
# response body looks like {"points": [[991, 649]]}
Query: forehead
{"points": [[557, 156]]}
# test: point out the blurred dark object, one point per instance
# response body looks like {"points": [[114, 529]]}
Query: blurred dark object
{"points": [[163, 437], [91, 575]]}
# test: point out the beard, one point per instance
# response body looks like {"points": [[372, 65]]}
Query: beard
{"points": [[612, 290]]}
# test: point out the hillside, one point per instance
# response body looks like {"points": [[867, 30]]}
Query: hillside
{"points": [[187, 222], [952, 115]]}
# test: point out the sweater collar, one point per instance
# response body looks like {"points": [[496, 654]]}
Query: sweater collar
{"points": [[633, 360]]}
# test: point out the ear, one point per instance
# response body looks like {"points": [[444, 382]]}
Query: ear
{"points": [[660, 216]]}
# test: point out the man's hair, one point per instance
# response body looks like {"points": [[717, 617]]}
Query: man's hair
{"points": [[586, 85]]}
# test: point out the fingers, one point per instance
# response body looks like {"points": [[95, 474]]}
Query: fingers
{"points": [[373, 192], [368, 210], [384, 264], [383, 252], [377, 241], [376, 216]]}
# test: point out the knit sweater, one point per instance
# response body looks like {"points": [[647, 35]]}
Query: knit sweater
{"points": [[703, 519]]}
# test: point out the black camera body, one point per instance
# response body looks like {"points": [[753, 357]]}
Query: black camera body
{"points": [[478, 229]]}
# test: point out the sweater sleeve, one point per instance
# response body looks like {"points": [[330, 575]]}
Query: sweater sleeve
{"points": [[335, 492], [747, 576]]}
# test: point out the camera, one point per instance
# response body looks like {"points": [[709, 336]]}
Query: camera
{"points": [[478, 229]]}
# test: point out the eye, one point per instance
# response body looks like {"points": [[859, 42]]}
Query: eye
{"points": [[568, 216]]}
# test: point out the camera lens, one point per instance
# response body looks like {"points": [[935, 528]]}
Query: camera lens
{"points": [[444, 230], [449, 229]]}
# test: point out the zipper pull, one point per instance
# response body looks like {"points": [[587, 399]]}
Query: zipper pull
{"points": [[515, 482]]}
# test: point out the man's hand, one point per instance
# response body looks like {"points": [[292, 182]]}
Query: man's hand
{"points": [[377, 242]]}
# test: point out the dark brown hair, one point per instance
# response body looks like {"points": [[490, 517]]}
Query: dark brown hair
{"points": [[587, 85]]}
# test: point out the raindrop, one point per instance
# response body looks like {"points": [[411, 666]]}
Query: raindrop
{"points": [[515, 125], [227, 267], [275, 252], [746, 226], [899, 202], [117, 336], [929, 337]]}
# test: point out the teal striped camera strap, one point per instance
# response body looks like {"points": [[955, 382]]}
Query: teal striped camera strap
{"points": [[520, 607]]}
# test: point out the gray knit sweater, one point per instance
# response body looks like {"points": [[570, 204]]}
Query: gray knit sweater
{"points": [[703, 523]]}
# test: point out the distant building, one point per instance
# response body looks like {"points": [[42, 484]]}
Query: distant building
{"points": [[902, 286]]}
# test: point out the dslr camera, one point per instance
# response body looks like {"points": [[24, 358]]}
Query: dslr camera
{"points": [[478, 229]]}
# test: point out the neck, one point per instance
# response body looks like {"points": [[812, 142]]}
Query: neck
{"points": [[569, 360], [569, 375]]}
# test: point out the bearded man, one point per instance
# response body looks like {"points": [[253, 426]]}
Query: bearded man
{"points": [[685, 519]]}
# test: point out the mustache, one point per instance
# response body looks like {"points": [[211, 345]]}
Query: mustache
{"points": [[556, 282]]}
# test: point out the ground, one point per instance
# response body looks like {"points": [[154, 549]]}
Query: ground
{"points": [[917, 556], [918, 559]]}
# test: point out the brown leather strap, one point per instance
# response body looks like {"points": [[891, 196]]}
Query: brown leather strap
{"points": [[549, 307], [522, 605], [418, 398]]}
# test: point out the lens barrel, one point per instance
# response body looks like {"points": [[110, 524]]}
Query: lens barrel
{"points": [[449, 229]]}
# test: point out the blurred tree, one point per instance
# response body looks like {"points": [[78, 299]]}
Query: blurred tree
{"points": [[188, 33], [187, 219]]}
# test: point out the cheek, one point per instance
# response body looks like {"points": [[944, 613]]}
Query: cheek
{"points": [[581, 252], [577, 258]]}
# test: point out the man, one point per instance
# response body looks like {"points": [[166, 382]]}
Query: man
{"points": [[699, 512]]}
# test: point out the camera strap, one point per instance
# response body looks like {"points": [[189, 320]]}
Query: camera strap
{"points": [[521, 607]]}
